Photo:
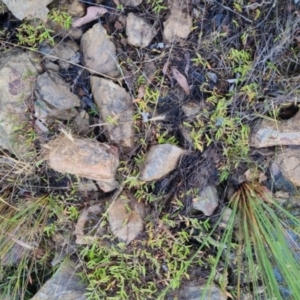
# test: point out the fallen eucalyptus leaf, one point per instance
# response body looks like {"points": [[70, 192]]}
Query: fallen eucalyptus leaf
{"points": [[181, 79], [93, 13]]}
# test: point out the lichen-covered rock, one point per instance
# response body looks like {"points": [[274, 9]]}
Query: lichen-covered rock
{"points": [[99, 52], [139, 32], [84, 157], [116, 110], [160, 160]]}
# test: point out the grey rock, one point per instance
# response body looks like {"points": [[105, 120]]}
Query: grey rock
{"points": [[85, 158], [192, 291], [179, 24], [17, 77], [82, 123], [288, 161], [116, 110], [125, 217], [139, 32], [131, 2], [191, 109], [54, 98], [64, 52], [99, 52], [267, 133], [207, 201], [64, 284], [29, 9], [160, 160], [87, 185]]}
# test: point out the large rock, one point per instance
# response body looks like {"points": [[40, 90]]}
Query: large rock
{"points": [[288, 161], [54, 98], [99, 52], [125, 217], [84, 157], [267, 133], [29, 9], [160, 160], [17, 78], [179, 24], [64, 284], [116, 110], [207, 201], [139, 32]]}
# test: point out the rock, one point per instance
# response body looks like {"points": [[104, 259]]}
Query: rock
{"points": [[83, 157], [29, 9], [99, 52], [87, 185], [192, 291], [88, 228], [191, 109], [288, 161], [116, 110], [125, 217], [82, 123], [64, 284], [18, 75], [54, 98], [179, 23], [139, 32], [160, 160], [131, 2], [207, 201], [76, 9], [267, 133], [64, 52], [226, 214]]}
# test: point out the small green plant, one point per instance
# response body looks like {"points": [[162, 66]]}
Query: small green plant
{"points": [[61, 18], [157, 5]]}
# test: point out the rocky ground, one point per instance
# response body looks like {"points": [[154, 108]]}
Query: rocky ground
{"points": [[126, 127]]}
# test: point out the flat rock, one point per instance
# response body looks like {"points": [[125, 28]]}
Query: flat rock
{"points": [[131, 2], [83, 157], [288, 161], [192, 291], [267, 133], [139, 32], [160, 160], [125, 217], [207, 201], [99, 52], [64, 284], [116, 110], [54, 98], [17, 78], [179, 23], [29, 9]]}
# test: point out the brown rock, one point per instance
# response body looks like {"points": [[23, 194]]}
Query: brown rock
{"points": [[288, 161], [85, 158], [160, 160], [99, 52], [274, 133], [116, 110], [125, 217]]}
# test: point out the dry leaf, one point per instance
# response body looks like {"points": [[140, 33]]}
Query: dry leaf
{"points": [[93, 13], [181, 79]]}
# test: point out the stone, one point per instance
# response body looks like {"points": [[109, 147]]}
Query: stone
{"points": [[207, 201], [192, 291], [88, 226], [116, 109], [288, 161], [54, 98], [191, 109], [125, 217], [64, 284], [17, 78], [179, 24], [131, 2], [83, 157], [29, 9], [99, 52], [267, 133], [139, 32], [82, 123], [160, 160], [76, 8], [64, 52]]}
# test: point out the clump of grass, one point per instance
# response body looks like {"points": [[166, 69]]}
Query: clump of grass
{"points": [[260, 238]]}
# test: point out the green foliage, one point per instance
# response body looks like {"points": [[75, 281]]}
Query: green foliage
{"points": [[157, 5], [61, 18]]}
